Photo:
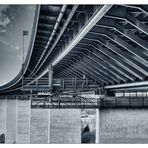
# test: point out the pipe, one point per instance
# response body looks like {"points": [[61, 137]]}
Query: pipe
{"points": [[127, 85]]}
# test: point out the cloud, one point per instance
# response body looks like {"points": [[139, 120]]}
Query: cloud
{"points": [[4, 20], [17, 48], [3, 30], [4, 41], [14, 47], [3, 8], [19, 57]]}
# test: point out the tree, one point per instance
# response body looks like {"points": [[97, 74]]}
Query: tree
{"points": [[2, 138]]}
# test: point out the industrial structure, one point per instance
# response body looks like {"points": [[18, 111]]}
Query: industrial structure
{"points": [[78, 50]]}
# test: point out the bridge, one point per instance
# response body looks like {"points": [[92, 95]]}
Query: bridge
{"points": [[85, 49], [107, 43]]}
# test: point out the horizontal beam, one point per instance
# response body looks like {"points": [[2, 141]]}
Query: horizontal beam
{"points": [[128, 85], [93, 20]]}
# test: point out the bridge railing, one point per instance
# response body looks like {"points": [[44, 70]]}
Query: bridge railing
{"points": [[124, 102], [71, 83], [65, 102], [81, 102]]}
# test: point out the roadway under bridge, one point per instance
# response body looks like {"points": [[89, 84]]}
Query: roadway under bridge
{"points": [[84, 57]]}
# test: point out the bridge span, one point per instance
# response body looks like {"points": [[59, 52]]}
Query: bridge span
{"points": [[82, 59]]}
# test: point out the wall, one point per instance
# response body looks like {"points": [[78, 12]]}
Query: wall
{"points": [[123, 126], [39, 126], [65, 126], [11, 121], [2, 120], [21, 124]]}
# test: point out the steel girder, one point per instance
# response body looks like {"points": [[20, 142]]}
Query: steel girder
{"points": [[128, 18], [81, 69], [105, 61], [112, 61], [92, 21], [105, 66], [92, 68], [137, 69], [59, 35], [100, 68], [90, 62]]}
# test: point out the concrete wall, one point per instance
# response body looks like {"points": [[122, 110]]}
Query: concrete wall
{"points": [[11, 121], [23, 122], [123, 126], [65, 126], [39, 126], [2, 119]]}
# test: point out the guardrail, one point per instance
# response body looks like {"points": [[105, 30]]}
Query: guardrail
{"points": [[81, 102], [62, 84]]}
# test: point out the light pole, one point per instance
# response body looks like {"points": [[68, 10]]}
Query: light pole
{"points": [[25, 33]]}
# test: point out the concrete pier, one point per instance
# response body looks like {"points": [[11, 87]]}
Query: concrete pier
{"points": [[39, 126], [23, 122], [11, 121], [2, 119], [123, 126], [65, 126]]}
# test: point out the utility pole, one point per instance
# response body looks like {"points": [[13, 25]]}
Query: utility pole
{"points": [[25, 33]]}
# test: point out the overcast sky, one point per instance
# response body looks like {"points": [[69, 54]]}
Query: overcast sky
{"points": [[13, 20]]}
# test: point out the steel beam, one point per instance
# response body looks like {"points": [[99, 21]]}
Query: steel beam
{"points": [[92, 65], [70, 70], [134, 50], [64, 74], [141, 69], [60, 34], [120, 63], [128, 85], [102, 65], [99, 67], [111, 23], [93, 20], [91, 71], [128, 18], [119, 70], [82, 69]]}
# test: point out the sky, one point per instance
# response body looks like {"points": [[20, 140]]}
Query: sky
{"points": [[13, 20]]}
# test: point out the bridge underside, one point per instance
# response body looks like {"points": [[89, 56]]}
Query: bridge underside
{"points": [[81, 57], [105, 43]]}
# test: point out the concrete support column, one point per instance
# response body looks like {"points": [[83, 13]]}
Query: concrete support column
{"points": [[97, 125], [39, 126], [11, 121], [2, 120], [23, 121], [65, 126], [123, 126], [50, 76]]}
